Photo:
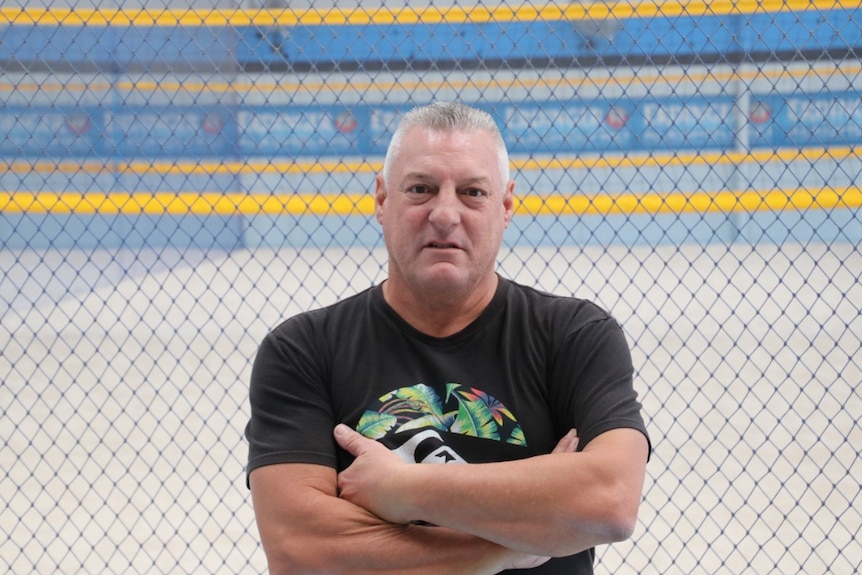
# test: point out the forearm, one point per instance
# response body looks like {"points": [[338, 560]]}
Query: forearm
{"points": [[358, 543], [310, 530], [556, 504], [511, 505]]}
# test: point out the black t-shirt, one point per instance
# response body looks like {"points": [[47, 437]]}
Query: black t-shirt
{"points": [[508, 386]]}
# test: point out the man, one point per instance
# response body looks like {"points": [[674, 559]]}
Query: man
{"points": [[444, 362]]}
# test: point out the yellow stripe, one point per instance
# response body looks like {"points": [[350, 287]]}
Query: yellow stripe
{"points": [[618, 79], [232, 204], [698, 202], [424, 15], [636, 161], [184, 203]]}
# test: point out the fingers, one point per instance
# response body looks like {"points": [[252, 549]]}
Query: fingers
{"points": [[349, 440], [568, 443], [523, 561]]}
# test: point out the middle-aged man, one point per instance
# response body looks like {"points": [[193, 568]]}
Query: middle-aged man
{"points": [[445, 362]]}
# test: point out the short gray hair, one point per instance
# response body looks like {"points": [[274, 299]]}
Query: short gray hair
{"points": [[447, 117]]}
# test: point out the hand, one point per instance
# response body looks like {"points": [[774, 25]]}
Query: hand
{"points": [[568, 443], [365, 482], [524, 561], [368, 481]]}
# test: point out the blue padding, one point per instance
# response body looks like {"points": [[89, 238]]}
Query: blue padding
{"points": [[684, 38]]}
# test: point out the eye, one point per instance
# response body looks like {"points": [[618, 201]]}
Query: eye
{"points": [[475, 192], [419, 189]]}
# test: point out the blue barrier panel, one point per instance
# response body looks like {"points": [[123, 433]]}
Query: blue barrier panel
{"points": [[58, 131], [804, 33], [807, 119], [706, 38], [156, 131], [686, 123], [443, 44], [653, 40], [121, 132], [694, 123], [625, 125], [302, 130], [114, 47]]}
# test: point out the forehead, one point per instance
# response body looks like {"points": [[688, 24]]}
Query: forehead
{"points": [[457, 153]]}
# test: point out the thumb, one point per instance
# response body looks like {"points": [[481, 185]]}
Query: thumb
{"points": [[349, 440]]}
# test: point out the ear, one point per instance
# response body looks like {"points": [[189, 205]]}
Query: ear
{"points": [[380, 196], [509, 202]]}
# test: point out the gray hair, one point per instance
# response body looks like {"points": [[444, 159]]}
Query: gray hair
{"points": [[447, 117]]}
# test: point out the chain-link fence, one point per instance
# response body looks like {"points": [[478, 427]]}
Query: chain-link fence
{"points": [[177, 179]]}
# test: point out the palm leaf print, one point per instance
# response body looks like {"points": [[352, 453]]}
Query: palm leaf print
{"points": [[482, 415], [442, 422], [465, 411], [415, 407], [474, 418], [517, 436], [419, 399], [374, 425], [498, 410]]}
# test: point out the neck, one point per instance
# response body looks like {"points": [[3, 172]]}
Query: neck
{"points": [[439, 315]]}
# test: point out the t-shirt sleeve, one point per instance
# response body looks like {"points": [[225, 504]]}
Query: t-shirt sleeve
{"points": [[593, 380], [291, 419]]}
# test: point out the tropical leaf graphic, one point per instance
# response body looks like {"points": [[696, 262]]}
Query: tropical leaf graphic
{"points": [[466, 411], [375, 425], [475, 419], [442, 422], [407, 403], [498, 410], [517, 436]]}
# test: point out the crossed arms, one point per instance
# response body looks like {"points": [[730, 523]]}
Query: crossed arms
{"points": [[519, 513]]}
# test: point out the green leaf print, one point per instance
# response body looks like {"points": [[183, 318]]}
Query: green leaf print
{"points": [[466, 411], [474, 418], [408, 402], [442, 422], [517, 436], [374, 425], [498, 410], [483, 415]]}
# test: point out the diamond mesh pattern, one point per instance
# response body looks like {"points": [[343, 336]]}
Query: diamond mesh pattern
{"points": [[177, 179]]}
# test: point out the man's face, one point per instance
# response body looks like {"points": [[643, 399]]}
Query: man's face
{"points": [[444, 211]]}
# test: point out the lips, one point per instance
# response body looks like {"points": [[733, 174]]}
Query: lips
{"points": [[443, 245]]}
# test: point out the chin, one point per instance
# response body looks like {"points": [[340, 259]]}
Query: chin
{"points": [[445, 279]]}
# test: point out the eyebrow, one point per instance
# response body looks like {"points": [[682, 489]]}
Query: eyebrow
{"points": [[416, 176], [421, 176]]}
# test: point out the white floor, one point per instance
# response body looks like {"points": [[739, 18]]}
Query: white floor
{"points": [[124, 400]]}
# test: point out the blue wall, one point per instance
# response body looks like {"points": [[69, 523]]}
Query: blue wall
{"points": [[646, 40], [113, 129]]}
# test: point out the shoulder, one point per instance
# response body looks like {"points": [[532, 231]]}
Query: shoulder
{"points": [[318, 322], [565, 312]]}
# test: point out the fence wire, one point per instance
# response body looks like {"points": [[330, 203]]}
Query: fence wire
{"points": [[177, 180]]}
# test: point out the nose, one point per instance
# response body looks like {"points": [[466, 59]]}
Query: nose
{"points": [[445, 209]]}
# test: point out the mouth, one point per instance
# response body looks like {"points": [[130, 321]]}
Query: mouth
{"points": [[442, 246]]}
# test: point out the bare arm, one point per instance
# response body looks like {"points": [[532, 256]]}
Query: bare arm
{"points": [[556, 504], [306, 528]]}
